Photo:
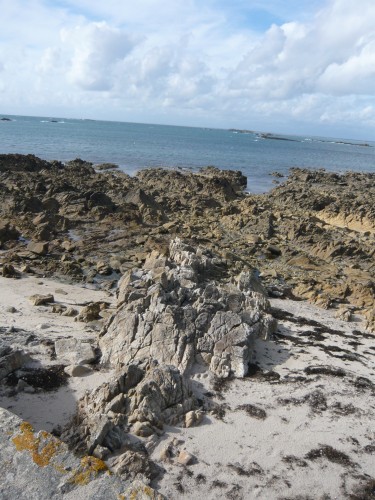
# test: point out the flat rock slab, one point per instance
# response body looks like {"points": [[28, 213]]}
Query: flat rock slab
{"points": [[74, 350]]}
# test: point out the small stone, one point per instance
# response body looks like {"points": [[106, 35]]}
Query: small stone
{"points": [[11, 309], [39, 248], [21, 384], [58, 308], [70, 312], [185, 458], [344, 314], [42, 326], [9, 271], [166, 454], [41, 300], [29, 389], [26, 269], [142, 429], [77, 370], [90, 312], [193, 418], [101, 452]]}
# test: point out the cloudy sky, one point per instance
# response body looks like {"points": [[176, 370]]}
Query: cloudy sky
{"points": [[288, 66]]}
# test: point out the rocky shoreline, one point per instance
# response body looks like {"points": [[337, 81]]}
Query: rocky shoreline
{"points": [[157, 294]]}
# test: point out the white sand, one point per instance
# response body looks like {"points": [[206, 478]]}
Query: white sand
{"points": [[239, 456], [244, 457], [46, 410]]}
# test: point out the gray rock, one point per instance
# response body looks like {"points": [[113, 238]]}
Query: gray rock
{"points": [[12, 361], [75, 351], [77, 370], [172, 310], [162, 396], [134, 463], [23, 386], [38, 466]]}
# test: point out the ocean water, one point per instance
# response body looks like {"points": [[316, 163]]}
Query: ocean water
{"points": [[134, 146]]}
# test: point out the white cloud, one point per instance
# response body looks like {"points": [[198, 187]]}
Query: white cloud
{"points": [[97, 49], [184, 58]]}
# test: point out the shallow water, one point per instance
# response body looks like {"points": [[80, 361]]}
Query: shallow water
{"points": [[133, 146]]}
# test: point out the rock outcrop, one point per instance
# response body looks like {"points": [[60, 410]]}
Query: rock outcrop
{"points": [[308, 237], [137, 402], [175, 310]]}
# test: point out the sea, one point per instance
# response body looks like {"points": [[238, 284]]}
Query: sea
{"points": [[134, 146]]}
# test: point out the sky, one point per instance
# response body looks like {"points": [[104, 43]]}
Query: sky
{"points": [[287, 66]]}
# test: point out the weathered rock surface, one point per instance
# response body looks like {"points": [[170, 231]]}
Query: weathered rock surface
{"points": [[39, 466], [138, 402], [11, 360], [174, 311], [75, 351]]}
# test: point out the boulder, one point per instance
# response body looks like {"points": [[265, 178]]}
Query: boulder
{"points": [[8, 232], [38, 247], [174, 311], [11, 360], [75, 351], [146, 399], [41, 300]]}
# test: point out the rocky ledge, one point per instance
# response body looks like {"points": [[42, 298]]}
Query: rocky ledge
{"points": [[312, 237], [191, 260]]}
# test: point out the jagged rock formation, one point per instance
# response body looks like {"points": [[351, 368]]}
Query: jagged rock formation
{"points": [[174, 311], [138, 400]]}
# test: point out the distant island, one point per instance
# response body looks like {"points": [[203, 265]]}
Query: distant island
{"points": [[268, 135]]}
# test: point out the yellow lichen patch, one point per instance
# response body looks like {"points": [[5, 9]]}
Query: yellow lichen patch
{"points": [[89, 469], [60, 468], [27, 441], [140, 491]]}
